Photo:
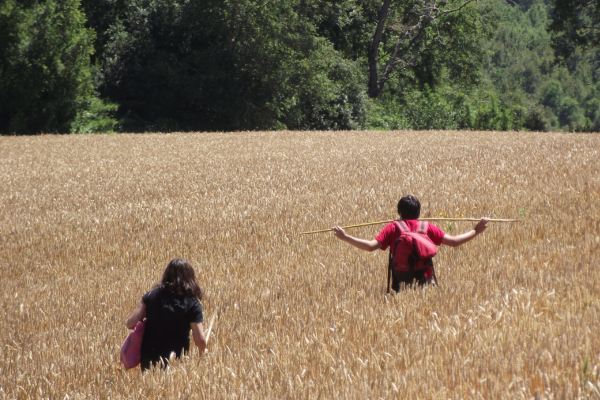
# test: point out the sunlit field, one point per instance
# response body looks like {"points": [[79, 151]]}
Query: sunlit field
{"points": [[88, 223]]}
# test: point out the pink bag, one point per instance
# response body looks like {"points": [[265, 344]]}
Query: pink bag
{"points": [[131, 351]]}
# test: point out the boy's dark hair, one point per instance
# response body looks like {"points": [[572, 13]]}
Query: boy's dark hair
{"points": [[409, 207], [179, 278]]}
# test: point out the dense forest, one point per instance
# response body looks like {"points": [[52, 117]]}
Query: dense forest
{"points": [[89, 66]]}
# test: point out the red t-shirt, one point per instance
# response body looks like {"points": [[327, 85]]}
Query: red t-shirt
{"points": [[390, 233]]}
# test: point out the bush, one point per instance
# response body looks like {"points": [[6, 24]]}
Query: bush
{"points": [[97, 117]]}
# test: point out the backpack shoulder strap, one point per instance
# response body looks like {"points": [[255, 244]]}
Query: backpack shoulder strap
{"points": [[402, 226], [422, 227]]}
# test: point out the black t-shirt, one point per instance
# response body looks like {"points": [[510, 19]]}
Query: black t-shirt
{"points": [[168, 318]]}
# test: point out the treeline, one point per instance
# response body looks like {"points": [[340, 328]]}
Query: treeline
{"points": [[86, 66]]}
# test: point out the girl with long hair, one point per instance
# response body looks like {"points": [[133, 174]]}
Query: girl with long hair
{"points": [[171, 309]]}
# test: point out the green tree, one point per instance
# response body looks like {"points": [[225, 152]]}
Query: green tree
{"points": [[553, 95], [45, 77], [575, 24], [570, 113]]}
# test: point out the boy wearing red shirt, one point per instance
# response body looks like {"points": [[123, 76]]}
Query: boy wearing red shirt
{"points": [[409, 210]]}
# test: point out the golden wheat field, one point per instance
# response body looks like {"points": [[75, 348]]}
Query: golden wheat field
{"points": [[88, 224]]}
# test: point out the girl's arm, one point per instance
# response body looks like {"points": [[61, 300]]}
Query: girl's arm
{"points": [[363, 244], [137, 315], [199, 337]]}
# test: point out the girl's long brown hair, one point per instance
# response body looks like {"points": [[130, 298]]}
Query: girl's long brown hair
{"points": [[179, 278]]}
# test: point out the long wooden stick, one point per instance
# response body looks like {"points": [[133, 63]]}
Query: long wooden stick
{"points": [[420, 219], [212, 321]]}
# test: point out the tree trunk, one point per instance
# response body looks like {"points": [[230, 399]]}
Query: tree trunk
{"points": [[411, 37], [374, 86]]}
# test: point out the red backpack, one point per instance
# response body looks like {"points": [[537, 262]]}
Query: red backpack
{"points": [[413, 250]]}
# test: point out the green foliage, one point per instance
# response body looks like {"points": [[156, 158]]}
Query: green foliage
{"points": [[570, 114], [101, 15], [448, 53], [44, 65], [167, 65], [575, 24], [213, 65], [591, 107], [96, 117], [519, 86], [348, 25]]}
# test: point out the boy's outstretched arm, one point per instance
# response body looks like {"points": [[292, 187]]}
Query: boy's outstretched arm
{"points": [[367, 245], [454, 241]]}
